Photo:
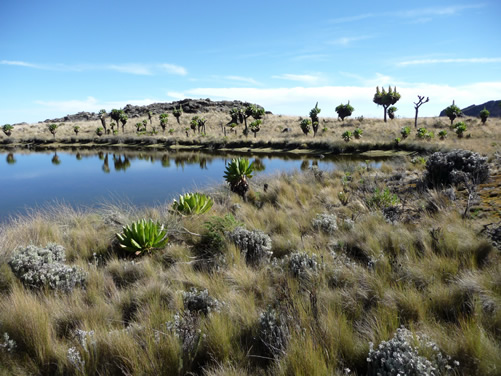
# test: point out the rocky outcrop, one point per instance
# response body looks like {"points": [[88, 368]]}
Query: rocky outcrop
{"points": [[189, 106], [492, 106]]}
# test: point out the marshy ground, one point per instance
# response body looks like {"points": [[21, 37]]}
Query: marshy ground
{"points": [[356, 254]]}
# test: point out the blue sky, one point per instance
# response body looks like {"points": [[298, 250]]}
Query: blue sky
{"points": [[61, 57]]}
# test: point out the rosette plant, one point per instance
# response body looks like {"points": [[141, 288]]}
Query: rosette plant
{"points": [[7, 129], [123, 119], [237, 174], [115, 115], [305, 126], [314, 118], [142, 236], [53, 129], [76, 129], [255, 127], [344, 110], [484, 114], [177, 112], [102, 117], [386, 98], [192, 203], [391, 112], [452, 112], [164, 118]]}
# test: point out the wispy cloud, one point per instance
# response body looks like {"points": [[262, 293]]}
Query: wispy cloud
{"points": [[310, 57], [474, 60], [174, 69], [90, 104], [305, 78], [247, 80], [299, 100], [345, 41], [128, 68], [424, 14]]}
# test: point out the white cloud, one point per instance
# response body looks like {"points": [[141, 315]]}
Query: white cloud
{"points": [[299, 100], [176, 95], [475, 60], [174, 69], [90, 104], [129, 68], [305, 78], [247, 80], [345, 41], [20, 64]]}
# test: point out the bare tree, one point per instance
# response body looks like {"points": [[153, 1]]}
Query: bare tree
{"points": [[419, 104]]}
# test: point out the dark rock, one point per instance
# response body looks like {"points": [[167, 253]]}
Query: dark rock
{"points": [[474, 110], [286, 130], [189, 106]]}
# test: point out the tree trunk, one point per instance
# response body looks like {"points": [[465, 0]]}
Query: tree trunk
{"points": [[415, 118], [385, 108]]}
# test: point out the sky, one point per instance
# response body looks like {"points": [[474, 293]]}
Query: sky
{"points": [[62, 57]]}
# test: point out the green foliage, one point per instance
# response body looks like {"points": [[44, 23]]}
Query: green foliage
{"points": [[7, 129], [391, 112], [305, 126], [99, 131], [386, 98], [347, 136], [314, 118], [405, 132], [171, 131], [76, 129], [194, 123], [142, 236], [358, 133], [192, 203], [442, 134], [258, 113], [484, 114], [237, 172], [123, 119], [164, 118], [53, 128], [115, 115], [452, 112], [382, 198], [139, 127], [460, 128], [177, 112], [255, 126], [102, 113], [344, 110], [397, 140], [421, 133]]}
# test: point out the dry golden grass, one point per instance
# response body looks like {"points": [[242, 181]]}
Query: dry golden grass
{"points": [[485, 139]]}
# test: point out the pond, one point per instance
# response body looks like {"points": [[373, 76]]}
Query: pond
{"points": [[90, 178]]}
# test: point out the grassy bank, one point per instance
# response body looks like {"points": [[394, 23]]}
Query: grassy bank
{"points": [[376, 134], [346, 270]]}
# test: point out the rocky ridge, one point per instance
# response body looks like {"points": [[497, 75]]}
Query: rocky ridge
{"points": [[189, 106], [474, 110]]}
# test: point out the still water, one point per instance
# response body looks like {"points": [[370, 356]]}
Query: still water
{"points": [[89, 179]]}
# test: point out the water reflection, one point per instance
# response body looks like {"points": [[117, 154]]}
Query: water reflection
{"points": [[86, 177]]}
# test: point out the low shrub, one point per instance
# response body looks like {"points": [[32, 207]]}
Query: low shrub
{"points": [[197, 301], [273, 332], [326, 222], [142, 236], [301, 264], [38, 267], [255, 245], [442, 169]]}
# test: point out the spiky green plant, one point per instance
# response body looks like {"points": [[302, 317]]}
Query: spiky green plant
{"points": [[452, 112], [194, 123], [460, 129], [115, 115], [177, 112], [123, 119], [99, 131], [53, 129], [442, 134], [142, 236], [358, 133], [76, 129], [237, 173], [192, 203], [7, 129], [421, 133], [164, 118], [391, 112], [344, 110], [484, 114], [386, 98], [347, 136], [314, 118], [255, 127], [405, 132], [305, 126]]}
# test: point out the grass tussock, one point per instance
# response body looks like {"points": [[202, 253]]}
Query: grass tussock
{"points": [[345, 271]]}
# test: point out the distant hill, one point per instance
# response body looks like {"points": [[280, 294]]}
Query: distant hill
{"points": [[474, 110], [190, 106]]}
